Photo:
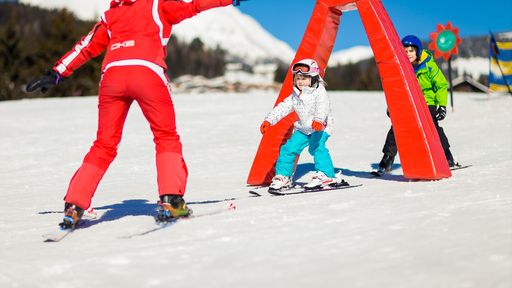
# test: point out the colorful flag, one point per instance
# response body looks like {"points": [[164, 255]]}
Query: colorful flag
{"points": [[500, 58]]}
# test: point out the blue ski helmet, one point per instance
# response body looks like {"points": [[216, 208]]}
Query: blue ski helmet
{"points": [[411, 40]]}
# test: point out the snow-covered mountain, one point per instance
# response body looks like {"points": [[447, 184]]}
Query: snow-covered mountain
{"points": [[237, 33], [350, 55], [226, 27]]}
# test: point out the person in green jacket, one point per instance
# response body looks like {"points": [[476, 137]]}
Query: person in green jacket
{"points": [[435, 89]]}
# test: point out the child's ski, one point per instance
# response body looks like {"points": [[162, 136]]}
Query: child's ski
{"points": [[297, 189], [458, 167], [302, 190], [262, 190]]}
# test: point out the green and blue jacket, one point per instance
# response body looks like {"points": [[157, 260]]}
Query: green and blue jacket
{"points": [[431, 79]]}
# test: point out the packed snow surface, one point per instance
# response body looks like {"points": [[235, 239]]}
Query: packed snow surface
{"points": [[391, 232]]}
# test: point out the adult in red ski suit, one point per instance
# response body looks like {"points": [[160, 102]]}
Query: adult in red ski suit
{"points": [[134, 34]]}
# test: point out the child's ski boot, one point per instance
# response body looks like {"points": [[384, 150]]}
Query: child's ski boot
{"points": [[385, 165], [454, 164], [320, 180], [72, 215], [339, 181], [380, 172], [172, 207], [280, 182]]}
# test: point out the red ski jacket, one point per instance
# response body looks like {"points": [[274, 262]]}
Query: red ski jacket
{"points": [[134, 32]]}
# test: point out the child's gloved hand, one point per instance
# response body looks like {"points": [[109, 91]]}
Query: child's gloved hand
{"points": [[317, 125], [264, 126], [441, 113]]}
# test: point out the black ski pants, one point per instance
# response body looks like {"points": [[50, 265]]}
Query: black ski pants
{"points": [[390, 149]]}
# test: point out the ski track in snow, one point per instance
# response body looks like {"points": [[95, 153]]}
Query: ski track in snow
{"points": [[391, 232]]}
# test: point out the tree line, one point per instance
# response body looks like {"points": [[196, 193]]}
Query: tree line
{"points": [[33, 39]]}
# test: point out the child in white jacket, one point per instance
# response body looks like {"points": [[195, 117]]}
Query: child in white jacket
{"points": [[310, 102]]}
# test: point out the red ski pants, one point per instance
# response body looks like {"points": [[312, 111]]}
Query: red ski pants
{"points": [[118, 88]]}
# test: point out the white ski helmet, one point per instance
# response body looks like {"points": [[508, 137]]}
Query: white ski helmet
{"points": [[307, 67]]}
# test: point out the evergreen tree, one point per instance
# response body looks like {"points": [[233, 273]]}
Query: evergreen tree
{"points": [[281, 72], [194, 59], [11, 59]]}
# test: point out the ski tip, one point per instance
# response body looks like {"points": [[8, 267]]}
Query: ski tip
{"points": [[276, 192], [55, 237], [254, 193]]}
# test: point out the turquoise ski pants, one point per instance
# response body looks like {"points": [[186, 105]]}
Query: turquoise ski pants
{"points": [[297, 143]]}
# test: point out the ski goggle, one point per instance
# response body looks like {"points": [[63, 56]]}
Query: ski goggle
{"points": [[304, 69]]}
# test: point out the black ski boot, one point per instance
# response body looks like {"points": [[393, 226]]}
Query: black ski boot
{"points": [[384, 165], [172, 207]]}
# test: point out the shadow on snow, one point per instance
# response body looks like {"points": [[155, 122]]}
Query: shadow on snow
{"points": [[142, 207], [305, 168], [131, 207]]}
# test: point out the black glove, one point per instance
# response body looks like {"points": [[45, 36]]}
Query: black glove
{"points": [[237, 2], [441, 113], [45, 82]]}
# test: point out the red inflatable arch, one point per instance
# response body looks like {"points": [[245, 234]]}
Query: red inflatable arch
{"points": [[421, 154]]}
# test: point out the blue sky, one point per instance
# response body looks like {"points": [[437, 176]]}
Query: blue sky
{"points": [[287, 19]]}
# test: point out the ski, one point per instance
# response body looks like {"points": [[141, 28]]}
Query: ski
{"points": [[303, 190], [378, 173], [163, 225], [59, 234], [460, 167], [262, 190], [296, 189]]}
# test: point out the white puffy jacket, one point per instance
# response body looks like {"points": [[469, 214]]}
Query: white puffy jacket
{"points": [[310, 104]]}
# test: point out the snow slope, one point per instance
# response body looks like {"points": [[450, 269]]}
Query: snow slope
{"points": [[391, 232]]}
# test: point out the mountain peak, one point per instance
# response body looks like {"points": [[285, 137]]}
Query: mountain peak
{"points": [[235, 32]]}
